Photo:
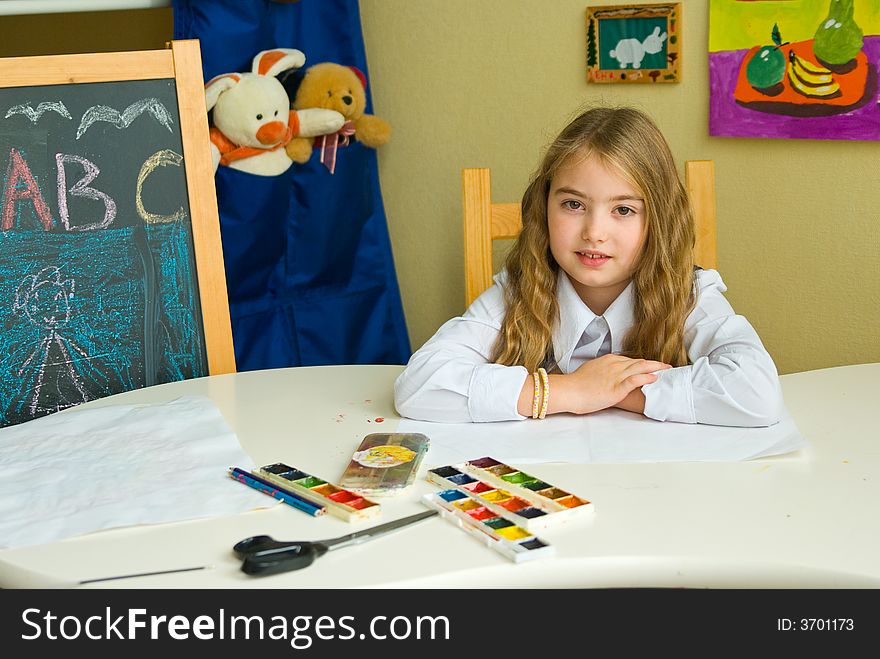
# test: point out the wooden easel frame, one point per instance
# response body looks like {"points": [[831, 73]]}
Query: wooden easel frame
{"points": [[183, 62]]}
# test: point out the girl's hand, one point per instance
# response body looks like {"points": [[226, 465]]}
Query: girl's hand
{"points": [[600, 383]]}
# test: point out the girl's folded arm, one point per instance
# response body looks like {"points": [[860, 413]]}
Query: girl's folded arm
{"points": [[731, 381], [450, 378], [734, 385]]}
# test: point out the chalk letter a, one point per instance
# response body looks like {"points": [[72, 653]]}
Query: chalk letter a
{"points": [[18, 171]]}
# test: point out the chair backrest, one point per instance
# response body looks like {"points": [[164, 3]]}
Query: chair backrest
{"points": [[486, 221]]}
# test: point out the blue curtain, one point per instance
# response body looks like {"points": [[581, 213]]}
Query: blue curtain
{"points": [[308, 260]]}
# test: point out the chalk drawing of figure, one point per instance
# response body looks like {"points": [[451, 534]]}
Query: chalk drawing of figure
{"points": [[57, 372]]}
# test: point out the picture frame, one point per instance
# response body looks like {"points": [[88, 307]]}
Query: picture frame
{"points": [[634, 43]]}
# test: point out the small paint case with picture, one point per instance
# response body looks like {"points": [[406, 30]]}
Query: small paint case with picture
{"points": [[385, 463]]}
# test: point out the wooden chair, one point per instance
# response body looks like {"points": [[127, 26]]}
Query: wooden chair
{"points": [[486, 221]]}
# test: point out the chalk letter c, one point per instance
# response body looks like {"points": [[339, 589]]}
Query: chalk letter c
{"points": [[160, 158]]}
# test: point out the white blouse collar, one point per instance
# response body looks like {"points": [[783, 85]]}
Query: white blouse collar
{"points": [[575, 317]]}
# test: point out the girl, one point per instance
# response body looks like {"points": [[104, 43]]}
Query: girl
{"points": [[599, 290]]}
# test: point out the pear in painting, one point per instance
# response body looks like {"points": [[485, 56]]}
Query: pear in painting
{"points": [[838, 38]]}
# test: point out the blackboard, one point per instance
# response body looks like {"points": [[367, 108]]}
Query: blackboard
{"points": [[111, 271]]}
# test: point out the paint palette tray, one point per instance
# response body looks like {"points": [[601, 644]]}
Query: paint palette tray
{"points": [[524, 499], [342, 503], [495, 531]]}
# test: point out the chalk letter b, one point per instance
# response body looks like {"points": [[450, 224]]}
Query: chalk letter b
{"points": [[81, 189]]}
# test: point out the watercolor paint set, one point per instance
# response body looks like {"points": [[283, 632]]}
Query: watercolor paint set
{"points": [[495, 531], [338, 501], [524, 499]]}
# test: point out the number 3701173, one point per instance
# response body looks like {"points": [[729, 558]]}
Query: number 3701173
{"points": [[814, 624]]}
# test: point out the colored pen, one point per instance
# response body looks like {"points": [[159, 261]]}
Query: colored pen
{"points": [[264, 486]]}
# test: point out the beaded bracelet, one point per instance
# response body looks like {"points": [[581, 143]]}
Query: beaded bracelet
{"points": [[545, 398], [537, 399]]}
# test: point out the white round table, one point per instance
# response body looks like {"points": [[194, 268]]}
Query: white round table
{"points": [[806, 519]]}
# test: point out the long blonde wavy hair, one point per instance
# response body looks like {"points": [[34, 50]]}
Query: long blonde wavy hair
{"points": [[626, 141]]}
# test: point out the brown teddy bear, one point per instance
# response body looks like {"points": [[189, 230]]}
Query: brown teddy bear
{"points": [[341, 88]]}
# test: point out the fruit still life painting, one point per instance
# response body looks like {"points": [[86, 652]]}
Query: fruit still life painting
{"points": [[794, 68]]}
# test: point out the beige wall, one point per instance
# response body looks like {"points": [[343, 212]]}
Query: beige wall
{"points": [[489, 83], [468, 83]]}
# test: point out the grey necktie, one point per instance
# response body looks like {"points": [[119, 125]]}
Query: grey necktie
{"points": [[598, 330], [605, 332], [594, 342]]}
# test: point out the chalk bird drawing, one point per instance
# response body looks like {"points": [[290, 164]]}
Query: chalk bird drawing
{"points": [[123, 119], [631, 51], [33, 115], [57, 368]]}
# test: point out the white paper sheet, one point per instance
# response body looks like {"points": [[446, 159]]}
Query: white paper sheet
{"points": [[86, 470], [610, 436]]}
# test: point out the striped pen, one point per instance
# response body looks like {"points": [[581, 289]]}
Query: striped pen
{"points": [[264, 486]]}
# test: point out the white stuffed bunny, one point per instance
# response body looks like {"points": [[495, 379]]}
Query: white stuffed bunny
{"points": [[252, 116]]}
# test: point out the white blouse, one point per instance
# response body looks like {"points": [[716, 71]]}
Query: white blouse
{"points": [[731, 379]]}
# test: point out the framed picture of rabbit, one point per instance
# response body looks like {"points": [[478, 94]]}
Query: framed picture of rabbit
{"points": [[634, 43]]}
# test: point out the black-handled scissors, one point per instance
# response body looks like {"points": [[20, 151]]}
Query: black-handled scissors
{"points": [[263, 555]]}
